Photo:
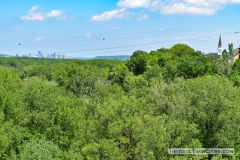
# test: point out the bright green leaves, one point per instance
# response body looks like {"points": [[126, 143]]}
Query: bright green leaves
{"points": [[212, 104], [9, 80], [43, 71], [187, 67], [40, 150], [6, 140], [79, 79], [179, 50], [10, 139], [154, 72], [127, 126], [85, 110], [178, 61]]}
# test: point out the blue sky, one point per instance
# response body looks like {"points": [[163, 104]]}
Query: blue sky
{"points": [[77, 27]]}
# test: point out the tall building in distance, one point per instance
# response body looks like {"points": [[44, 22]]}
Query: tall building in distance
{"points": [[220, 49], [40, 55]]}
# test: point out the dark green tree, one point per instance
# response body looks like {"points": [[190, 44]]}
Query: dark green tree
{"points": [[118, 74], [225, 55], [231, 52], [138, 62]]}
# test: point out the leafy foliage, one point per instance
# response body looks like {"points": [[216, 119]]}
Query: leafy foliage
{"points": [[103, 109]]}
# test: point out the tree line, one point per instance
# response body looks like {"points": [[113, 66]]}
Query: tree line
{"points": [[126, 110]]}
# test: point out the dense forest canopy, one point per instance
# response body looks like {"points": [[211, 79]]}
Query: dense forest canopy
{"points": [[111, 109]]}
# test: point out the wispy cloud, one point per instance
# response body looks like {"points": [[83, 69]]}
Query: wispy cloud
{"points": [[41, 38], [65, 17], [182, 8], [134, 3], [54, 13], [235, 1], [89, 34], [33, 15], [205, 7], [143, 16], [120, 13], [193, 7], [162, 29]]}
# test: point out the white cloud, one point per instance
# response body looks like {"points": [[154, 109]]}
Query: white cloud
{"points": [[38, 16], [33, 9], [142, 17], [205, 7], [88, 34], [155, 5], [235, 1], [54, 13], [205, 3], [181, 8], [121, 13], [40, 38], [134, 3], [32, 15]]}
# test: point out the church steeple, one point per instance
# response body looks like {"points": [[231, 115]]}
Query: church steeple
{"points": [[219, 49], [220, 42]]}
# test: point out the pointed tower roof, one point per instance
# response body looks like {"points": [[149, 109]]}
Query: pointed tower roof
{"points": [[220, 42]]}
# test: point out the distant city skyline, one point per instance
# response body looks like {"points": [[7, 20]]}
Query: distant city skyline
{"points": [[41, 55], [118, 27]]}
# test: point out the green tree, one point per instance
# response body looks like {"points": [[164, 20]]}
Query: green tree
{"points": [[182, 49], [139, 62], [40, 150], [163, 50], [223, 68], [161, 56], [171, 70], [42, 71], [209, 104], [136, 135], [225, 55], [235, 75], [38, 97], [236, 66], [212, 56], [7, 131], [154, 72], [80, 79], [231, 52], [118, 74], [191, 67]]}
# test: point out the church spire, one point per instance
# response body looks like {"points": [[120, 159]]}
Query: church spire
{"points": [[220, 42], [220, 46]]}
